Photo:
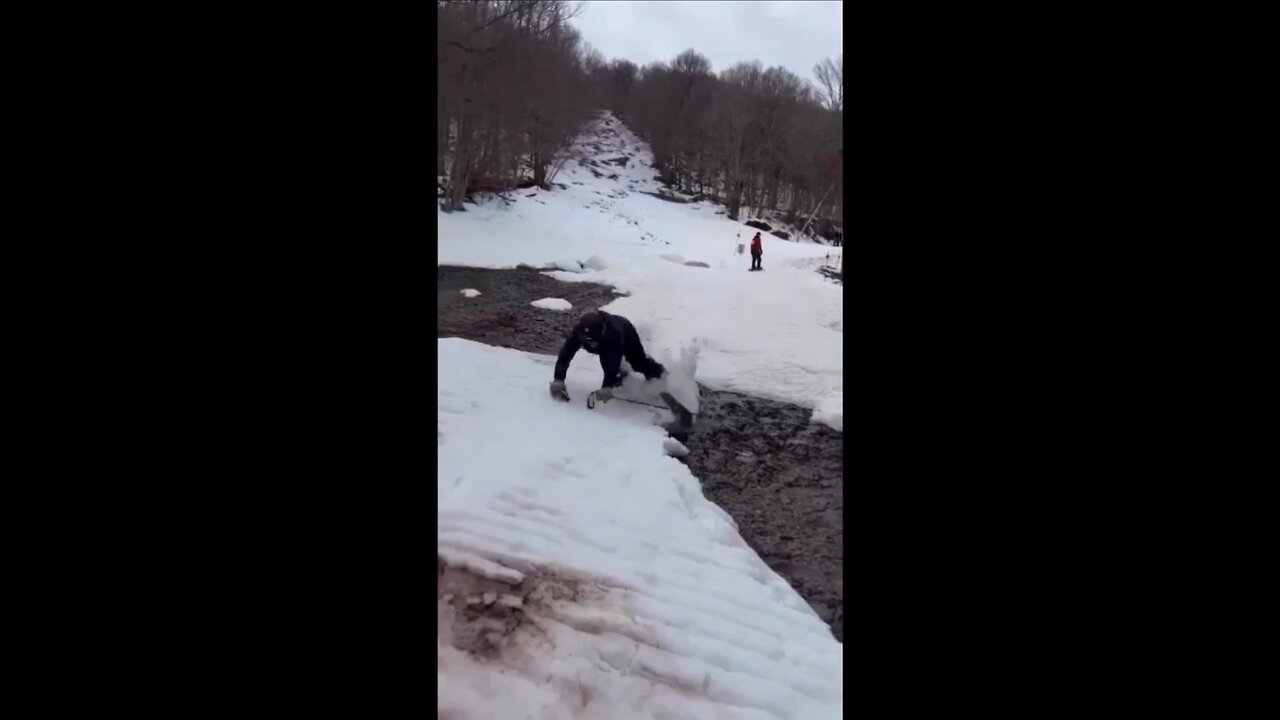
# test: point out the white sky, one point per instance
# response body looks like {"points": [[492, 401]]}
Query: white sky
{"points": [[795, 34]]}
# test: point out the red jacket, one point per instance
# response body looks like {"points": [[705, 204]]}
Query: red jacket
{"points": [[755, 244]]}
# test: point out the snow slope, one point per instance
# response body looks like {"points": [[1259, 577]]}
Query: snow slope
{"points": [[775, 334], [584, 575]]}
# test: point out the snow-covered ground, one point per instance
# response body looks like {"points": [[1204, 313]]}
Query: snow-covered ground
{"points": [[774, 334], [588, 577], [583, 573]]}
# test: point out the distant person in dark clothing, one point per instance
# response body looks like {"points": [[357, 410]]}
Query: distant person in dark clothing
{"points": [[613, 338], [757, 250]]}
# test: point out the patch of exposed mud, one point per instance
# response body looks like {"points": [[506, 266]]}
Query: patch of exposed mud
{"points": [[781, 479], [502, 316], [775, 473], [491, 620], [832, 274]]}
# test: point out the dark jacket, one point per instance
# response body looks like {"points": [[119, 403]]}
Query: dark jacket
{"points": [[756, 248], [619, 340]]}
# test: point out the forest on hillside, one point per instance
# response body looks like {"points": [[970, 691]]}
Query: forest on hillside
{"points": [[516, 84]]}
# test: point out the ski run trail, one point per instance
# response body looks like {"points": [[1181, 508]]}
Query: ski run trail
{"points": [[581, 571]]}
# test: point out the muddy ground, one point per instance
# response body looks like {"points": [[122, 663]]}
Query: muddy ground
{"points": [[501, 315], [779, 476]]}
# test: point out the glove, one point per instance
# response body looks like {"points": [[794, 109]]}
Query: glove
{"points": [[604, 394], [558, 392]]}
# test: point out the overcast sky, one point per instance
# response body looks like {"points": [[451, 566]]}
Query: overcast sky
{"points": [[795, 34]]}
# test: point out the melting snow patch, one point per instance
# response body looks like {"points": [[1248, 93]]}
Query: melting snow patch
{"points": [[470, 292], [595, 262], [572, 266], [830, 411], [682, 368], [552, 304], [674, 448]]}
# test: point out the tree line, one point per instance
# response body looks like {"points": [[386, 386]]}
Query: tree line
{"points": [[512, 93], [517, 84]]}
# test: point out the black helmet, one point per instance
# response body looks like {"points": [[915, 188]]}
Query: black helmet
{"points": [[590, 329]]}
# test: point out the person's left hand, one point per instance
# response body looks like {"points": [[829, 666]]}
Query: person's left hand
{"points": [[604, 394]]}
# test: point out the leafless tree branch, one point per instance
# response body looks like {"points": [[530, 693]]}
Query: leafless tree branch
{"points": [[830, 75]]}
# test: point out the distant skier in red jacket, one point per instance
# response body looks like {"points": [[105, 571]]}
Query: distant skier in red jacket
{"points": [[757, 250]]}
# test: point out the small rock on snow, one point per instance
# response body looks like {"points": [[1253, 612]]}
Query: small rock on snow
{"points": [[674, 448], [552, 304], [470, 292]]}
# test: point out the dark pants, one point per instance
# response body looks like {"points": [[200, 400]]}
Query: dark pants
{"points": [[755, 261], [633, 353]]}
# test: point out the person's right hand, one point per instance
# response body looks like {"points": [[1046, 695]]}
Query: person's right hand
{"points": [[558, 391]]}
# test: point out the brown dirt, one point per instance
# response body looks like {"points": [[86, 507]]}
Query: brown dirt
{"points": [[492, 620], [502, 316]]}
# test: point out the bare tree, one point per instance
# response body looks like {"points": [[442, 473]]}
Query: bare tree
{"points": [[513, 90], [830, 76], [691, 63], [516, 84]]}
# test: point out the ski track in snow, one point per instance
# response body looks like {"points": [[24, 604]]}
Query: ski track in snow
{"points": [[775, 334], [584, 575]]}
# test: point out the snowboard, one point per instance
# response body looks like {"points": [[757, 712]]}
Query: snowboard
{"points": [[679, 429], [676, 391]]}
